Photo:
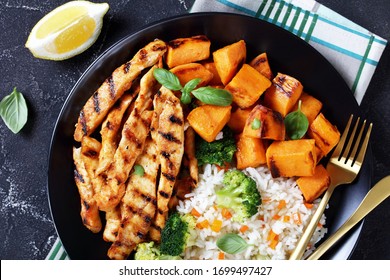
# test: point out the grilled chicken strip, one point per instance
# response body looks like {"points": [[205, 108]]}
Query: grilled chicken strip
{"points": [[109, 132], [170, 143], [89, 210], [127, 152], [134, 134], [113, 223], [147, 90], [188, 178], [99, 104], [138, 205]]}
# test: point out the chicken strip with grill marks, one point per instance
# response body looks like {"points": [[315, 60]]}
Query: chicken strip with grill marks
{"points": [[99, 104], [109, 132], [113, 223], [134, 134], [128, 150], [138, 205], [170, 144], [89, 210], [189, 173]]}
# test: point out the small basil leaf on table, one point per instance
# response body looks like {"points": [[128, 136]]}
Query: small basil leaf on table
{"points": [[232, 243], [14, 111], [213, 96], [296, 124]]}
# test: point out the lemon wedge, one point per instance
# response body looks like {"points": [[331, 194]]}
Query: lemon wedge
{"points": [[67, 31]]}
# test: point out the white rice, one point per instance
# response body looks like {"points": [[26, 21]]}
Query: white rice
{"points": [[202, 243]]}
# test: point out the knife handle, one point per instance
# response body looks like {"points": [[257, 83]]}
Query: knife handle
{"points": [[373, 198]]}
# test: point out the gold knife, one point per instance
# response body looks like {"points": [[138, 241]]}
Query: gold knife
{"points": [[373, 198]]}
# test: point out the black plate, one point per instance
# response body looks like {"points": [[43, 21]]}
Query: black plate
{"points": [[287, 54]]}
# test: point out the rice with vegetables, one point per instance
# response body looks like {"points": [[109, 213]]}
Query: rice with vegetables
{"points": [[274, 231]]}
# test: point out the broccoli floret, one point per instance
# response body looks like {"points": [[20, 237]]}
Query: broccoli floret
{"points": [[151, 251], [217, 152], [176, 233], [147, 251], [240, 194]]}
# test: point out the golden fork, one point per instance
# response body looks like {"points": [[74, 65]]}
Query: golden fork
{"points": [[374, 197], [343, 167]]}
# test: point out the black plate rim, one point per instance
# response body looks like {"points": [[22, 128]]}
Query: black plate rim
{"points": [[356, 232]]}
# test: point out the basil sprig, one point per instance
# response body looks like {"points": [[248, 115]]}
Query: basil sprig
{"points": [[167, 79], [14, 111], [213, 96], [232, 243], [207, 95], [296, 123], [186, 92]]}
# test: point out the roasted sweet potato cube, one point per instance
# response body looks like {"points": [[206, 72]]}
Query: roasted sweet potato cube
{"points": [[216, 80], [189, 71], [247, 86], [310, 106], [238, 119], [187, 50], [282, 95], [265, 123], [208, 120], [319, 154], [312, 187], [291, 158], [260, 63], [250, 152], [324, 133], [229, 59]]}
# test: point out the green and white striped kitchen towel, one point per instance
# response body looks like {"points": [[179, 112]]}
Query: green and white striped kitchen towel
{"points": [[353, 50]]}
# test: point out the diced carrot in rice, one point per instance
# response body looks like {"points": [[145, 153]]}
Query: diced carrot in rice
{"points": [[273, 243], [244, 228], [216, 225], [195, 213], [297, 218], [271, 235], [221, 256], [226, 213], [276, 217], [203, 224], [282, 204]]}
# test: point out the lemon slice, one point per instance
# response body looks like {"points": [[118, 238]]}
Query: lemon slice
{"points": [[67, 31]]}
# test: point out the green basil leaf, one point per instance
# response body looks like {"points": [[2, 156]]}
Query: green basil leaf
{"points": [[191, 85], [167, 79], [213, 96], [185, 97], [14, 111], [139, 170], [296, 124], [232, 243], [186, 91], [256, 123]]}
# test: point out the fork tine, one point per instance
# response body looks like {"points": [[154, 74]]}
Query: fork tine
{"points": [[347, 149], [360, 157], [352, 155], [340, 145]]}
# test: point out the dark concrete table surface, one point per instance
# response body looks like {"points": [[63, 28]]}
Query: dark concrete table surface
{"points": [[27, 230]]}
